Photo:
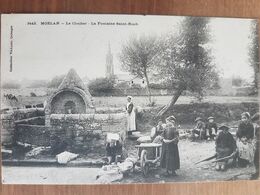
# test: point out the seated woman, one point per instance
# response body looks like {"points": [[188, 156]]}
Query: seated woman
{"points": [[211, 128], [114, 151], [199, 129], [225, 146], [245, 135]]}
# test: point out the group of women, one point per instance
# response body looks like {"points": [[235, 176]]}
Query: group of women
{"points": [[244, 150]]}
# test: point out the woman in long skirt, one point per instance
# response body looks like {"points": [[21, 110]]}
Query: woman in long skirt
{"points": [[170, 159], [245, 135], [131, 125]]}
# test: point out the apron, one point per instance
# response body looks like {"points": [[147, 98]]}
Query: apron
{"points": [[246, 150], [131, 125]]}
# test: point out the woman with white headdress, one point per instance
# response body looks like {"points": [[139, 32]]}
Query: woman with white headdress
{"points": [[131, 125]]}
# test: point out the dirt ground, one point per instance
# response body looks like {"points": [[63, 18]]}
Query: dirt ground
{"points": [[190, 153]]}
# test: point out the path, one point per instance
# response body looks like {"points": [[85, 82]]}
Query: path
{"points": [[190, 152], [48, 175]]}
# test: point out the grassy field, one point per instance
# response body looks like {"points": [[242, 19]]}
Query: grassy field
{"points": [[162, 100], [143, 101]]}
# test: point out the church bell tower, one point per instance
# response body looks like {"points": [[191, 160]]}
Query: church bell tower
{"points": [[109, 63]]}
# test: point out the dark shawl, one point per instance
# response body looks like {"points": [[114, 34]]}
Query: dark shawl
{"points": [[170, 158], [130, 107], [225, 144], [213, 125], [245, 130]]}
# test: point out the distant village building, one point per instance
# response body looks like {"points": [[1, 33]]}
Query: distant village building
{"points": [[226, 85], [130, 79], [228, 88]]}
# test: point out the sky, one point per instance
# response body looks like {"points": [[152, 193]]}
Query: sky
{"points": [[42, 51]]}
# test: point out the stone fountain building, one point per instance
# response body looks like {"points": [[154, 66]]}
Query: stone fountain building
{"points": [[71, 97], [69, 116]]}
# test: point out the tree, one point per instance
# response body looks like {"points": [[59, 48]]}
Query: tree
{"points": [[186, 61], [102, 86], [138, 57], [254, 53]]}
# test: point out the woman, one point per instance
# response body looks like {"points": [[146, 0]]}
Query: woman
{"points": [[225, 146], [170, 153], [114, 151], [199, 129], [211, 128], [157, 131], [131, 125], [245, 135]]}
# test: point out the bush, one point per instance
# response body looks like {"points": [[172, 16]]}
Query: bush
{"points": [[102, 86], [56, 81], [32, 94], [122, 85], [136, 86], [126, 85], [163, 85]]}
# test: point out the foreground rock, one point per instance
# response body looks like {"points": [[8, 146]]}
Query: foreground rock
{"points": [[109, 174], [112, 173], [65, 157]]}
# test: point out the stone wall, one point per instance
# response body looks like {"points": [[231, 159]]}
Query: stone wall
{"points": [[32, 134], [81, 133], [39, 120], [7, 129], [8, 122], [109, 110], [86, 132], [20, 114]]}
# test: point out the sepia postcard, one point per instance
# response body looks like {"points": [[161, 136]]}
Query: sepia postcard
{"points": [[122, 99]]}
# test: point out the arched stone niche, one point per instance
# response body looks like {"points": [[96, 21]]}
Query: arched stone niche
{"points": [[68, 102]]}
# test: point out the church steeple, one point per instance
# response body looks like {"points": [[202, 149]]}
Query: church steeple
{"points": [[109, 63]]}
